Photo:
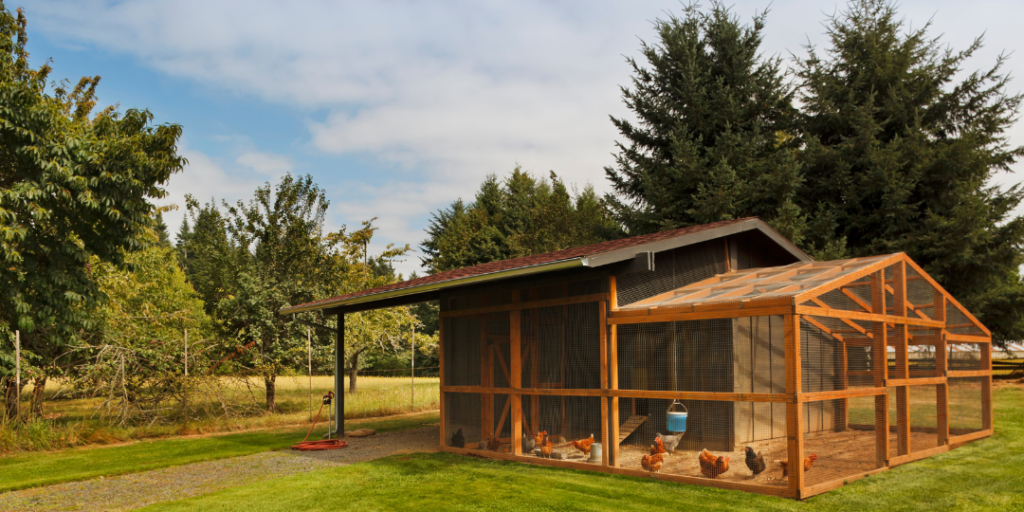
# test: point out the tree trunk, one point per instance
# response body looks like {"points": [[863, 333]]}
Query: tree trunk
{"points": [[11, 395], [271, 393], [38, 388], [353, 370]]}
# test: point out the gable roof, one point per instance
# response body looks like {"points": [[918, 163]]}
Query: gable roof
{"points": [[594, 255]]}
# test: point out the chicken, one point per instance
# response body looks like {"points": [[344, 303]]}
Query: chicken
{"points": [[458, 440], [538, 438], [493, 443], [808, 462], [755, 462], [658, 447], [546, 447], [670, 442], [583, 445], [711, 466], [529, 443], [652, 463]]}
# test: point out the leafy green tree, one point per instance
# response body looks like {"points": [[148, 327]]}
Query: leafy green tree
{"points": [[136, 353], [519, 216], [715, 132], [900, 155], [73, 185]]}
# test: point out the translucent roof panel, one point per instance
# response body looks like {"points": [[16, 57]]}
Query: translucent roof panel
{"points": [[761, 283]]}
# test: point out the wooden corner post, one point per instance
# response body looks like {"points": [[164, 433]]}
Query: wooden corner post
{"points": [[440, 359], [899, 302], [880, 367], [794, 409]]}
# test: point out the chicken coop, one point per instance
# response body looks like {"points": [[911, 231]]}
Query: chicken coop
{"points": [[713, 355]]}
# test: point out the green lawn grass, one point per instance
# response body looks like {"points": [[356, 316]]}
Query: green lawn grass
{"points": [[984, 475], [38, 469]]}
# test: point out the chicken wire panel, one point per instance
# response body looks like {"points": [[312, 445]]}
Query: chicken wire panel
{"points": [[821, 354], [564, 419], [461, 342], [958, 323], [712, 426], [855, 296], [924, 418], [462, 420], [920, 293], [531, 288], [840, 441], [966, 399], [476, 350], [561, 347], [965, 356], [694, 355], [673, 269]]}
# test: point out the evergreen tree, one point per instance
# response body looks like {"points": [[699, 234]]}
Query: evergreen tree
{"points": [[204, 252], [714, 135], [900, 156], [519, 216]]}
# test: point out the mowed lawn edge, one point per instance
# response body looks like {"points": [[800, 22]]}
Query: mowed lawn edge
{"points": [[983, 475], [49, 468]]}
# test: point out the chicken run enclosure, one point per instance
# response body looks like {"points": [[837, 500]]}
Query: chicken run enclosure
{"points": [[850, 366]]}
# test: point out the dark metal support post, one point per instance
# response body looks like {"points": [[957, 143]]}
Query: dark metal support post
{"points": [[339, 378]]}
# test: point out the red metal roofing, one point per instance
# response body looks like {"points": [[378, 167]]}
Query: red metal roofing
{"points": [[538, 259]]}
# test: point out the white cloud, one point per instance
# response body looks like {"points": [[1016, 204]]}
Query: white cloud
{"points": [[207, 180], [265, 163], [447, 91]]}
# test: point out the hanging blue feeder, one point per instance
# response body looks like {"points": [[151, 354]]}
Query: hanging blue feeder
{"points": [[677, 417]]}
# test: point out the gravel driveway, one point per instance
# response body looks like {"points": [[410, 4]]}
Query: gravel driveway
{"points": [[141, 489]]}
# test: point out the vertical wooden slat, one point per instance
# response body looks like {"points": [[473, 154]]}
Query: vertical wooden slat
{"points": [[534, 349], [613, 383], [613, 294], [842, 419], [794, 411], [486, 380]]}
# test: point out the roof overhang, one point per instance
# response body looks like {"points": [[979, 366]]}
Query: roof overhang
{"points": [[589, 261]]}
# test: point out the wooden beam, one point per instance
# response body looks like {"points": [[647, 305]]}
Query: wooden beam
{"points": [[629, 393], [986, 387], [612, 444], [843, 393], [772, 490], [854, 315], [964, 338], [966, 438], [815, 490], [911, 457], [899, 296], [613, 293], [655, 316], [596, 297]]}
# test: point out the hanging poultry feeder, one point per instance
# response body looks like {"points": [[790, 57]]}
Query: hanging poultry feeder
{"points": [[676, 417]]}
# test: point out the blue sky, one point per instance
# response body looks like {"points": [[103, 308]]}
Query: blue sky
{"points": [[398, 108]]}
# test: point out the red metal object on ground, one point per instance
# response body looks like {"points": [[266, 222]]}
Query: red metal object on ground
{"points": [[326, 444]]}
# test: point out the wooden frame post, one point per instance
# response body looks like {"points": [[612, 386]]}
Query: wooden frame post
{"points": [[795, 409], [899, 302], [942, 393], [613, 383], [880, 365]]}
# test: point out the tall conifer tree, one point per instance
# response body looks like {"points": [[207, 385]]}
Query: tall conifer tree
{"points": [[713, 138], [900, 156]]}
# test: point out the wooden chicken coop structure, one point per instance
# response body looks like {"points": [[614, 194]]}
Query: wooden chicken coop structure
{"points": [[846, 364]]}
